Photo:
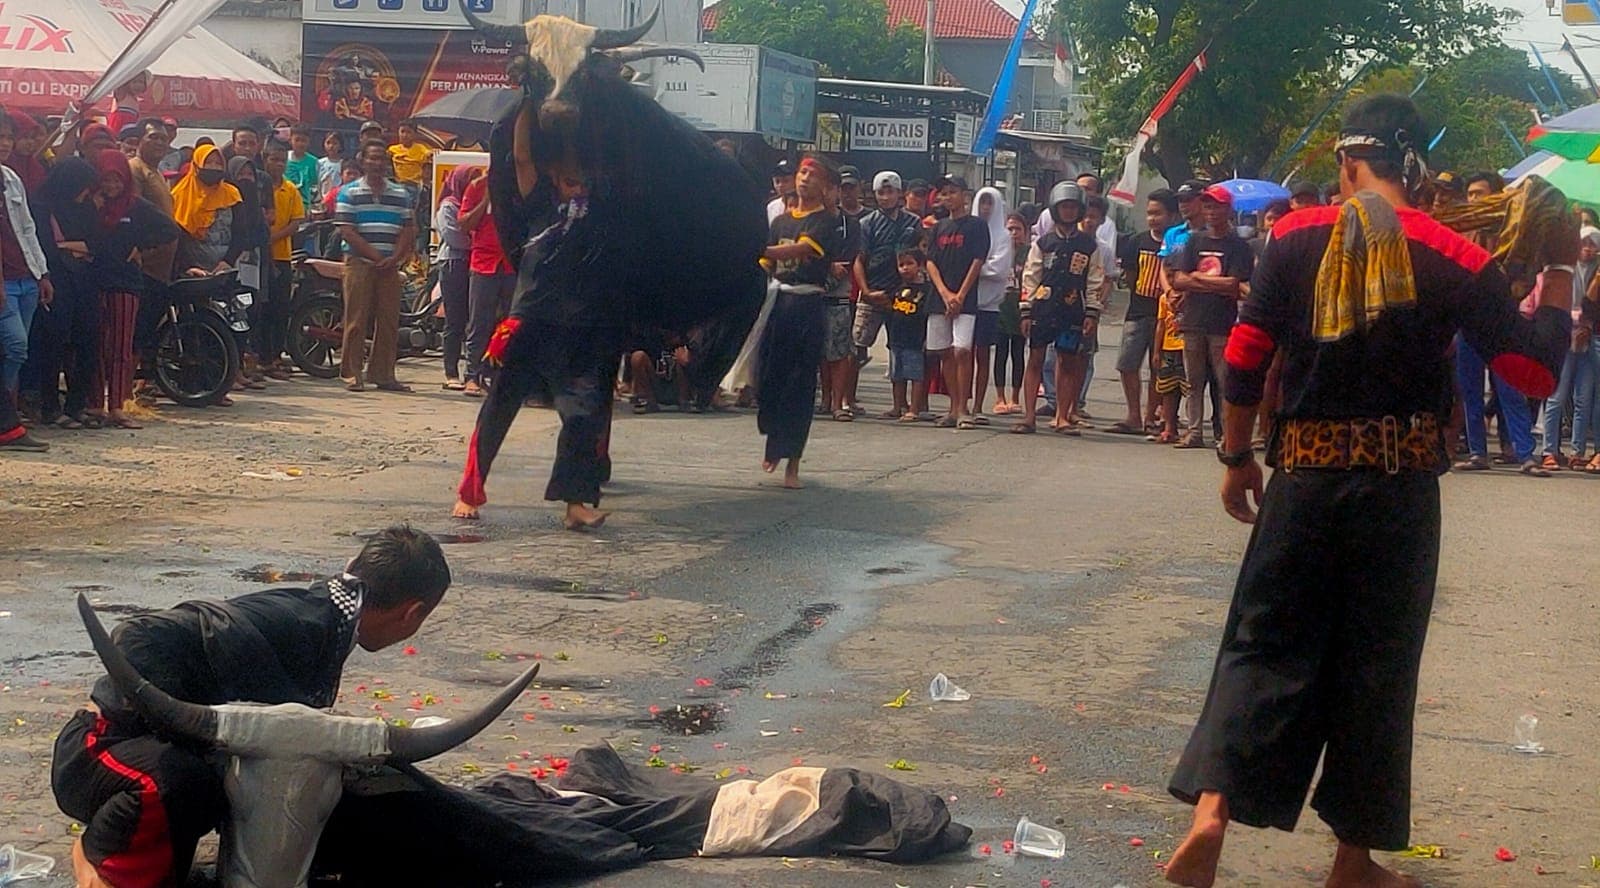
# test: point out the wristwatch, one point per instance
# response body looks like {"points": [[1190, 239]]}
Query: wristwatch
{"points": [[1235, 460]]}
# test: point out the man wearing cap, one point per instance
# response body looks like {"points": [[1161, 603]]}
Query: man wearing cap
{"points": [[850, 193], [1320, 653], [918, 198], [1303, 194], [372, 130], [1212, 274], [1448, 191], [884, 233], [782, 189]]}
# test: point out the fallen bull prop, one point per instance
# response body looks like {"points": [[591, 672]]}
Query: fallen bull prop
{"points": [[285, 766]]}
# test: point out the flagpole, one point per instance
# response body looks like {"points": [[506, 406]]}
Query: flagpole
{"points": [[927, 43], [1566, 44]]}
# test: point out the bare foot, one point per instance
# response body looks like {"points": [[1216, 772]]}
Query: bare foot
{"points": [[584, 517], [1354, 868], [791, 476], [768, 466], [1195, 862], [462, 510]]}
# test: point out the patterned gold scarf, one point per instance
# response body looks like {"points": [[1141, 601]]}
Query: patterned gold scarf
{"points": [[1524, 221], [1365, 270]]}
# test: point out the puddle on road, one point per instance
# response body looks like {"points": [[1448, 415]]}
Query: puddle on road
{"points": [[771, 654], [266, 573], [577, 589], [686, 720]]}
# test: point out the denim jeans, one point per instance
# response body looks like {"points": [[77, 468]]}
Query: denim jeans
{"points": [[1586, 399], [1514, 413], [16, 317], [1558, 399]]}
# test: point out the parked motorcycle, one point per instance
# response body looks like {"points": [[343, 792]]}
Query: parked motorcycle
{"points": [[196, 353], [316, 316]]}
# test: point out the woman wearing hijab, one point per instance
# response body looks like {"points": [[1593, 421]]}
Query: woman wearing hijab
{"points": [[66, 336], [24, 159], [212, 212], [454, 246], [127, 223], [993, 279]]}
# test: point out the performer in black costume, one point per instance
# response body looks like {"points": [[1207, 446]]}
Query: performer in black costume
{"points": [[1320, 653], [146, 800], [801, 251]]}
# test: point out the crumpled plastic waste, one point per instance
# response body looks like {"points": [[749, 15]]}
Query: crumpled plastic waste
{"points": [[943, 690], [16, 866]]}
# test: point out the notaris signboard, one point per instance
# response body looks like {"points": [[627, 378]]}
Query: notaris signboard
{"points": [[909, 134]]}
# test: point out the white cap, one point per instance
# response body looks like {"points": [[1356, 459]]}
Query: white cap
{"points": [[887, 177]]}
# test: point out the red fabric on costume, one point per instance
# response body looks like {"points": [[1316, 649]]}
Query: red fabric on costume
{"points": [[471, 489], [1248, 347], [1525, 374], [147, 861]]}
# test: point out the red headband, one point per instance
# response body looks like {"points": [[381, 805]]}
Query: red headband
{"points": [[817, 166]]}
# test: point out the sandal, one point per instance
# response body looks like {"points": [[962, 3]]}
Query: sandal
{"points": [[1578, 462], [90, 421], [1472, 463], [454, 385], [355, 387], [966, 424], [1593, 468], [843, 416], [1166, 438], [66, 422], [980, 419], [891, 414], [945, 422], [123, 422], [1551, 462], [1122, 428], [1024, 428], [399, 387], [1070, 430], [909, 418], [1534, 470], [1191, 442]]}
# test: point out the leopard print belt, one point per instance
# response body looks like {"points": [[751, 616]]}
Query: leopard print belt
{"points": [[1410, 444]]}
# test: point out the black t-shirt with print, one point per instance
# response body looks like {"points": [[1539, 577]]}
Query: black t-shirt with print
{"points": [[1141, 256], [1213, 314], [954, 246], [822, 231], [907, 315]]}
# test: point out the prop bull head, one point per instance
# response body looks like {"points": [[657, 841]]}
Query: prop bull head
{"points": [[563, 51], [286, 762]]}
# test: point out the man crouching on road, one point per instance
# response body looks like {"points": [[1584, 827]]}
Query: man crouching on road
{"points": [[146, 802]]}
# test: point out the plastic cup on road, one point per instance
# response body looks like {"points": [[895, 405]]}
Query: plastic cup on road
{"points": [[1034, 840]]}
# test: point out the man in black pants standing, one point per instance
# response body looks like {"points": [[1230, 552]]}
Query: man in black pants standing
{"points": [[1323, 642]]}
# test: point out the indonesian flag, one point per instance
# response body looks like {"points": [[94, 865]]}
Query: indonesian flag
{"points": [[1063, 75], [1127, 188]]}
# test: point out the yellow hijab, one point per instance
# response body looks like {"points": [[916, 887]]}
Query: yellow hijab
{"points": [[195, 204]]}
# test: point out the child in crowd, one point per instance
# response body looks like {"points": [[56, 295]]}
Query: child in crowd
{"points": [[1172, 384], [287, 214], [908, 335], [301, 168]]}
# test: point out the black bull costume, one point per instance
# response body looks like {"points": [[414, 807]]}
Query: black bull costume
{"points": [[313, 795], [667, 240]]}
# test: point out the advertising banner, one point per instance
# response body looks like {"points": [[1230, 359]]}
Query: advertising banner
{"points": [[387, 74]]}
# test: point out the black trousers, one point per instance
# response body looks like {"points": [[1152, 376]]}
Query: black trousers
{"points": [[1319, 657], [66, 338], [144, 803], [791, 351], [1012, 350], [453, 288], [272, 318], [572, 368]]}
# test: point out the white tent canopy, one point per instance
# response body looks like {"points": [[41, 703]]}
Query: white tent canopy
{"points": [[53, 51]]}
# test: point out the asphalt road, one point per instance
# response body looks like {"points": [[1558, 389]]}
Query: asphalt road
{"points": [[1075, 587]]}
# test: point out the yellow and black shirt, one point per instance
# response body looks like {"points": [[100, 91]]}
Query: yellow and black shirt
{"points": [[1141, 256], [819, 230]]}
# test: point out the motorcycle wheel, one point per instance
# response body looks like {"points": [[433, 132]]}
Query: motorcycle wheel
{"points": [[196, 359], [311, 353]]}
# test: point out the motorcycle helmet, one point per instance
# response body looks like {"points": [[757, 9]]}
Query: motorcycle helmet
{"points": [[1066, 192]]}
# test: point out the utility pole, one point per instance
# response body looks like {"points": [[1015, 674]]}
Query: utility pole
{"points": [[927, 44]]}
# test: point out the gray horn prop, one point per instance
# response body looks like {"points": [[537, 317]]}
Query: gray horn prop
{"points": [[606, 38], [416, 744], [513, 34], [164, 712], [636, 53]]}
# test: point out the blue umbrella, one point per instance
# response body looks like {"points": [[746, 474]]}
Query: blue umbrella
{"points": [[1525, 165], [1253, 195]]}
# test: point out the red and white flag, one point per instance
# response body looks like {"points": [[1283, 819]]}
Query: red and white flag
{"points": [[1063, 74], [1127, 188]]}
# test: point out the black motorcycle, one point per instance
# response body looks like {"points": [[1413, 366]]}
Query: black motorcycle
{"points": [[316, 316], [196, 355]]}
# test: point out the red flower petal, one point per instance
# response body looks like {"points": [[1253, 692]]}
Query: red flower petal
{"points": [[703, 682], [1108, 786], [1136, 842], [1125, 788], [655, 710], [655, 749], [1504, 855], [798, 762], [1008, 846], [719, 746], [985, 850], [409, 651], [1033, 760]]}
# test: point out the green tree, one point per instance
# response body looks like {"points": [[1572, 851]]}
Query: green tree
{"points": [[1272, 65], [847, 38], [1468, 98]]}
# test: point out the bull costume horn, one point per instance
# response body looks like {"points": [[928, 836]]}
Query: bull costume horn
{"points": [[415, 744], [166, 713], [607, 38], [513, 34], [636, 53]]}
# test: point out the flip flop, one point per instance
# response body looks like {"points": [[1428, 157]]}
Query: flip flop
{"points": [[945, 422], [1023, 428], [66, 422], [966, 425], [454, 385], [980, 419], [1122, 428], [399, 387]]}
